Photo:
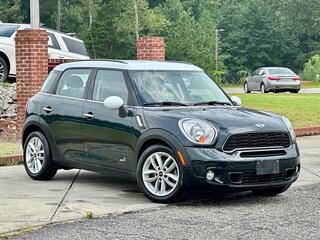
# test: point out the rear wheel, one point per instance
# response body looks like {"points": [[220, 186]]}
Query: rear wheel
{"points": [[37, 157], [263, 88], [295, 91], [246, 88], [159, 174], [270, 191], [4, 71]]}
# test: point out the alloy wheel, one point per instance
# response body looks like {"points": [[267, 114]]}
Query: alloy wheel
{"points": [[1, 72], [160, 174], [35, 155]]}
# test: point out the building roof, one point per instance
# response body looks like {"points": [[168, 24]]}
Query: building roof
{"points": [[130, 65]]}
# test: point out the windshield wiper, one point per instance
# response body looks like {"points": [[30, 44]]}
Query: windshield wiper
{"points": [[212, 103], [165, 104]]}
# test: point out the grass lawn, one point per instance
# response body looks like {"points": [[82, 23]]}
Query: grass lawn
{"points": [[310, 85], [8, 149], [302, 109]]}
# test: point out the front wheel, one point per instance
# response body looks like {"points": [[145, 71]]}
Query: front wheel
{"points": [[3, 70], [37, 157], [270, 191], [159, 174], [246, 88]]}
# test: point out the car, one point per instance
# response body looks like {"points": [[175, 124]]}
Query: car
{"points": [[166, 124], [60, 46], [272, 79]]}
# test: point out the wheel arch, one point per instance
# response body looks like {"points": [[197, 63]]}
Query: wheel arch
{"points": [[34, 125], [157, 136], [6, 59]]}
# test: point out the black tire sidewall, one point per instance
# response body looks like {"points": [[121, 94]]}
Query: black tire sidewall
{"points": [[173, 196], [264, 87], [5, 67], [48, 169]]}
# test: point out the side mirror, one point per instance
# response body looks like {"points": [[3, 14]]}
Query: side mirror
{"points": [[114, 103], [236, 100]]}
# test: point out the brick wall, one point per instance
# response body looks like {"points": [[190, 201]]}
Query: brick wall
{"points": [[32, 67], [150, 48]]}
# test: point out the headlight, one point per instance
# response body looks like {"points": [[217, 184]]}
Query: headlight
{"points": [[198, 131], [290, 128]]}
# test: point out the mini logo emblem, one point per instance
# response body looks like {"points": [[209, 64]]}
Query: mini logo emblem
{"points": [[260, 125], [124, 159]]}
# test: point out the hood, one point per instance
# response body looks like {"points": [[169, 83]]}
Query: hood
{"points": [[228, 119]]}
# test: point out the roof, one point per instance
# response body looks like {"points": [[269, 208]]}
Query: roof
{"points": [[130, 65]]}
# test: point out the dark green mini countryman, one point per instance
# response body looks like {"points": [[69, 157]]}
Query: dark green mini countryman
{"points": [[165, 123]]}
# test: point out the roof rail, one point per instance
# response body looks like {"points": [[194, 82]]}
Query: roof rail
{"points": [[173, 61], [109, 60]]}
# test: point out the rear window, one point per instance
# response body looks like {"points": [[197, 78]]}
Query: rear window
{"points": [[285, 71], [7, 30], [48, 84], [75, 46]]}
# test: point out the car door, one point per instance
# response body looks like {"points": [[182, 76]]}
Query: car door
{"points": [[108, 138], [251, 80], [62, 112]]}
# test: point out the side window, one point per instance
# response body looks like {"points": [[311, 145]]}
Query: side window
{"points": [[110, 83], [52, 41], [73, 82], [75, 46], [48, 84]]}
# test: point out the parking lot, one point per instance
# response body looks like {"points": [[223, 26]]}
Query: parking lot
{"points": [[78, 194]]}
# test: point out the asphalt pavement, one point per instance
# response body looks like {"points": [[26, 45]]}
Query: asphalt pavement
{"points": [[303, 90], [124, 213], [292, 215]]}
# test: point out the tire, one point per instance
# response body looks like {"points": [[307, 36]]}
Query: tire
{"points": [[263, 89], [295, 91], [4, 70], [246, 88], [42, 155], [270, 191], [170, 193]]}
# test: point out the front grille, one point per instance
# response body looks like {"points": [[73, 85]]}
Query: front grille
{"points": [[256, 140], [251, 177]]}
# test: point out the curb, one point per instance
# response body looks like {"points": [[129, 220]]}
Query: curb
{"points": [[307, 131], [11, 160]]}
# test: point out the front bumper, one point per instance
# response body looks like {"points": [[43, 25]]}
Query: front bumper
{"points": [[233, 172]]}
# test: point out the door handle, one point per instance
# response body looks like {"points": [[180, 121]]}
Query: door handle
{"points": [[88, 115], [47, 109]]}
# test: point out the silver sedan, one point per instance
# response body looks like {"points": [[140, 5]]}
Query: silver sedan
{"points": [[272, 79]]}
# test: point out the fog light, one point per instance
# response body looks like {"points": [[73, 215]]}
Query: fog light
{"points": [[210, 175]]}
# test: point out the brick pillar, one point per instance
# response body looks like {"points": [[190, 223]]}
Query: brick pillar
{"points": [[151, 48], [31, 65]]}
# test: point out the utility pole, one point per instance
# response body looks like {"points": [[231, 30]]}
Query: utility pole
{"points": [[216, 52], [58, 23], [136, 18], [217, 46], [34, 14]]}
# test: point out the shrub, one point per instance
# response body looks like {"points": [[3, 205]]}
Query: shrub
{"points": [[311, 71]]}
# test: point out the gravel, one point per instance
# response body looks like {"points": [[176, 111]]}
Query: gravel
{"points": [[294, 214]]}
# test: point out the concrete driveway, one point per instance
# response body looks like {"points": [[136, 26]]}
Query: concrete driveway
{"points": [[25, 203], [303, 90]]}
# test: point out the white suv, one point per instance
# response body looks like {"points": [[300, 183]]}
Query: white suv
{"points": [[60, 46]]}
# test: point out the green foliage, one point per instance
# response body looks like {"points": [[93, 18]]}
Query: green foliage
{"points": [[257, 32], [311, 70]]}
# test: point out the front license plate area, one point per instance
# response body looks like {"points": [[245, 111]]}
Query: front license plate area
{"points": [[265, 167]]}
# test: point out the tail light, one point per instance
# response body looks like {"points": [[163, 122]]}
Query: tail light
{"points": [[296, 78], [274, 78]]}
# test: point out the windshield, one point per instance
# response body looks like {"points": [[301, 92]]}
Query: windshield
{"points": [[283, 71], [7, 30], [180, 87]]}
